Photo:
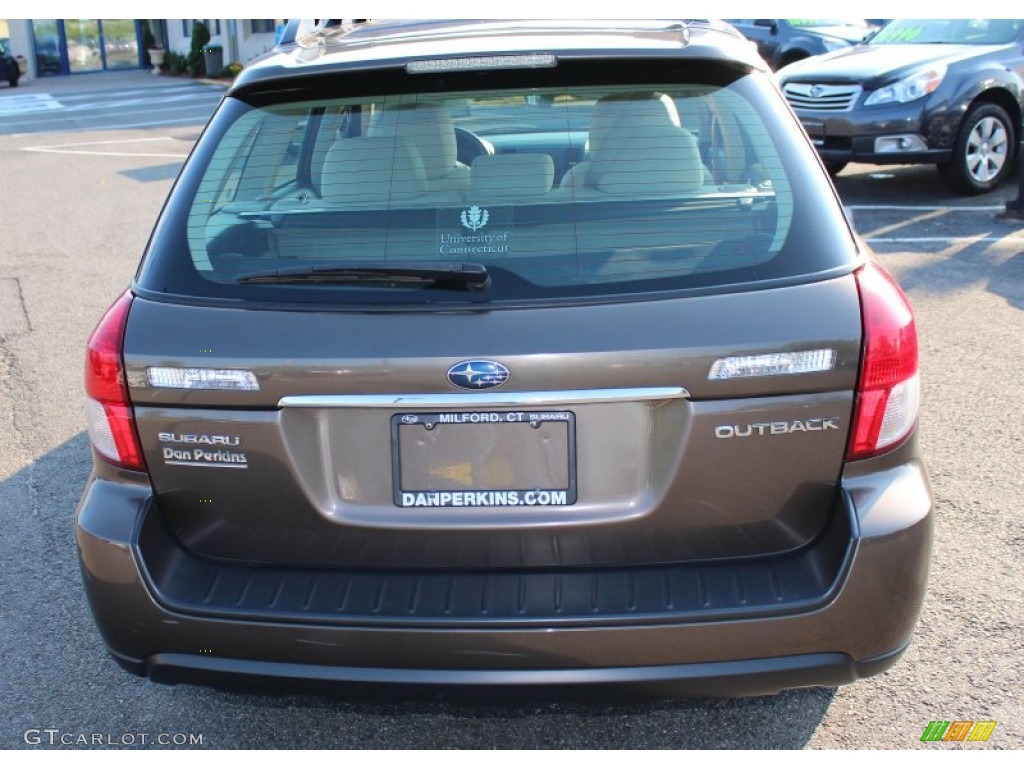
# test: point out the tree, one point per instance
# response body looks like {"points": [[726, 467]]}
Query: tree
{"points": [[200, 37]]}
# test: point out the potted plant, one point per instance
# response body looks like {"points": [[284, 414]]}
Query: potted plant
{"points": [[156, 57]]}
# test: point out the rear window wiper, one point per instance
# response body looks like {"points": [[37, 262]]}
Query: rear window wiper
{"points": [[444, 275]]}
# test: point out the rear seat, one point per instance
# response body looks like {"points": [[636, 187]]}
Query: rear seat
{"points": [[641, 160], [634, 137], [427, 128], [364, 172], [372, 171], [417, 139]]}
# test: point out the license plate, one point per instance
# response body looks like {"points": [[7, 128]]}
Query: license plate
{"points": [[484, 459]]}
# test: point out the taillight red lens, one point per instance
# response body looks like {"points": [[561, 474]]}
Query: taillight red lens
{"points": [[111, 422], [887, 399]]}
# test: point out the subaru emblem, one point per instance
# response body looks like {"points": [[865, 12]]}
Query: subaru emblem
{"points": [[478, 374]]}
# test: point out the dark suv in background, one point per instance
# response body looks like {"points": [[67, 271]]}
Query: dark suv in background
{"points": [[948, 92], [783, 41], [506, 353]]}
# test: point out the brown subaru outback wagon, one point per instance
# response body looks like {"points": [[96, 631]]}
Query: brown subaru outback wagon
{"points": [[522, 353]]}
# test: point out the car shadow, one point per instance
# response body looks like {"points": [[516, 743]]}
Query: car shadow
{"points": [[57, 673], [912, 185], [1008, 281], [956, 244], [961, 267], [163, 172], [493, 721]]}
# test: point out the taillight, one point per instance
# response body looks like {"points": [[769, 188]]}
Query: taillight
{"points": [[888, 394], [111, 422]]}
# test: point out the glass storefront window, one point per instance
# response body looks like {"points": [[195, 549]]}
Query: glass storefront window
{"points": [[83, 42], [120, 43], [47, 44], [65, 46]]}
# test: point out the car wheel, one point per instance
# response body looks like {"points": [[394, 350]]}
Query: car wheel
{"points": [[834, 169], [982, 153], [790, 58]]}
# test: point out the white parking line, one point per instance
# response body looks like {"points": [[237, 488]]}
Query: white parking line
{"points": [[979, 208], [1009, 240], [181, 121], [66, 149], [93, 96], [113, 141], [28, 103], [79, 117]]}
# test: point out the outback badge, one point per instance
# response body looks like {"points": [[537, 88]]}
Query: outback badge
{"points": [[478, 374]]}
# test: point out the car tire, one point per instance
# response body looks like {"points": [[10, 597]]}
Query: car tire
{"points": [[983, 152], [790, 58]]}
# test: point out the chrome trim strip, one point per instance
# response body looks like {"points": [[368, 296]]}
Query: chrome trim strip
{"points": [[488, 399]]}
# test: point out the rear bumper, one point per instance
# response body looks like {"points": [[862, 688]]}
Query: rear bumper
{"points": [[859, 625], [749, 677]]}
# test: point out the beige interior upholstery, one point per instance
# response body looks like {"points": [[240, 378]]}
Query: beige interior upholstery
{"points": [[511, 176], [648, 108], [371, 171], [428, 129], [644, 160], [652, 108]]}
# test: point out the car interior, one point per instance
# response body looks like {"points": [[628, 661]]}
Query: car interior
{"points": [[585, 185]]}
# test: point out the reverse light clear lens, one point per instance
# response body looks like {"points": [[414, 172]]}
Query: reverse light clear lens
{"points": [[467, 63], [202, 378], [100, 434], [900, 412], [916, 86], [775, 364]]}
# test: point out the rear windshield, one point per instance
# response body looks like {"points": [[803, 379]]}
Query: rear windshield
{"points": [[555, 192]]}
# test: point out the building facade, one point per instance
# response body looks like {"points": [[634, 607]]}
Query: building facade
{"points": [[53, 47]]}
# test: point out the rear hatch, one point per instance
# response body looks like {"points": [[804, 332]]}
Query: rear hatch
{"points": [[628, 336], [358, 449]]}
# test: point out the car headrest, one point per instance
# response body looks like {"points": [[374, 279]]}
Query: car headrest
{"points": [[371, 169], [643, 160], [427, 127], [652, 108]]}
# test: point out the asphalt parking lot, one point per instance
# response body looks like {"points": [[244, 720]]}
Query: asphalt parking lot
{"points": [[79, 205]]}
